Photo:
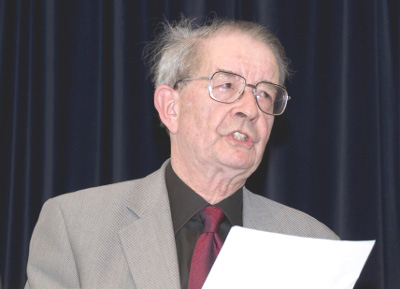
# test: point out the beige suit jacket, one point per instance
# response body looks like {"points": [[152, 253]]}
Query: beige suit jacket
{"points": [[121, 236]]}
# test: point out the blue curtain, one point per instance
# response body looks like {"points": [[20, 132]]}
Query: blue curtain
{"points": [[76, 111]]}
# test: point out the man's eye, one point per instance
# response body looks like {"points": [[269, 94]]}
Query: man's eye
{"points": [[262, 94], [228, 85], [225, 86], [265, 94]]}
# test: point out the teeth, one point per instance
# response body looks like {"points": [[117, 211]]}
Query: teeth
{"points": [[239, 136]]}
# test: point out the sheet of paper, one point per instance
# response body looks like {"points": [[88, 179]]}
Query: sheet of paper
{"points": [[255, 259]]}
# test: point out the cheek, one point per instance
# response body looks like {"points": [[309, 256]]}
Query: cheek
{"points": [[207, 116], [195, 121]]}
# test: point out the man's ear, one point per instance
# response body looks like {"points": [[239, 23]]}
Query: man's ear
{"points": [[165, 101]]}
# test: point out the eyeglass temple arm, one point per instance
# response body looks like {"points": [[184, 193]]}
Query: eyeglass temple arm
{"points": [[190, 79]]}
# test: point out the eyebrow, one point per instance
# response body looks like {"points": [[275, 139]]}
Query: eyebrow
{"points": [[229, 71]]}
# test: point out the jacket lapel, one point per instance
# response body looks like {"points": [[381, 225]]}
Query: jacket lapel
{"points": [[149, 241], [256, 213]]}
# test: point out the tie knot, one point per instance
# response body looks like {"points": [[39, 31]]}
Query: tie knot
{"points": [[212, 217]]}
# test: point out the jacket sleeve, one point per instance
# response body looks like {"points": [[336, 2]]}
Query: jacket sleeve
{"points": [[51, 262]]}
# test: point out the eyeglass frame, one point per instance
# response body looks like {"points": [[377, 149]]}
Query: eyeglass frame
{"points": [[254, 87]]}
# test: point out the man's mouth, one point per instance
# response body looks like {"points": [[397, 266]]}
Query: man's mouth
{"points": [[239, 136]]}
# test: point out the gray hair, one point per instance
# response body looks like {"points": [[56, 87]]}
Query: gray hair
{"points": [[175, 51]]}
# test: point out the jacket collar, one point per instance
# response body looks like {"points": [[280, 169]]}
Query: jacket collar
{"points": [[149, 241]]}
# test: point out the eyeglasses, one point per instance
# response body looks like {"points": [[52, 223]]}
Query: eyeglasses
{"points": [[227, 87]]}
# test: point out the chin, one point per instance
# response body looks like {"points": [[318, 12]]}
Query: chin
{"points": [[241, 163]]}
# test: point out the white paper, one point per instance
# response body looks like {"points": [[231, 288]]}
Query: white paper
{"points": [[255, 259]]}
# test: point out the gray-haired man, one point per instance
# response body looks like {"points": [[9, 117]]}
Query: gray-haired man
{"points": [[218, 88]]}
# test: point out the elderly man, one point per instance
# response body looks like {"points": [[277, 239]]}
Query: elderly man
{"points": [[218, 89]]}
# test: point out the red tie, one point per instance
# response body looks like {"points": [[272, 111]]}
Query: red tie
{"points": [[207, 247]]}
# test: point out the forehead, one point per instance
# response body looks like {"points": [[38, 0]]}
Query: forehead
{"points": [[239, 53]]}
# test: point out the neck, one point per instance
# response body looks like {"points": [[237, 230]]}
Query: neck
{"points": [[213, 185]]}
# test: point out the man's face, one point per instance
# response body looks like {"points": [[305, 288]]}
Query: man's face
{"points": [[210, 134]]}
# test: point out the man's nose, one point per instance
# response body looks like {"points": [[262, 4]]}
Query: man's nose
{"points": [[246, 106]]}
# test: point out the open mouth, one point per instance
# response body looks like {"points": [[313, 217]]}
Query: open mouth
{"points": [[239, 136]]}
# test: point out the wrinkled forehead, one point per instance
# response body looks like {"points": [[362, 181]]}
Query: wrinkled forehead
{"points": [[238, 52]]}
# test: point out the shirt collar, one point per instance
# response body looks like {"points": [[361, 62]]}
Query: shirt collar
{"points": [[185, 203]]}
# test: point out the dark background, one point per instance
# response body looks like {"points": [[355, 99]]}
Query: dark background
{"points": [[76, 111]]}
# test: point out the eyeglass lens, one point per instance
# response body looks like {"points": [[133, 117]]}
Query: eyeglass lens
{"points": [[228, 87]]}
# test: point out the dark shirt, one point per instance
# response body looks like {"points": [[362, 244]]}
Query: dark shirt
{"points": [[185, 205]]}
